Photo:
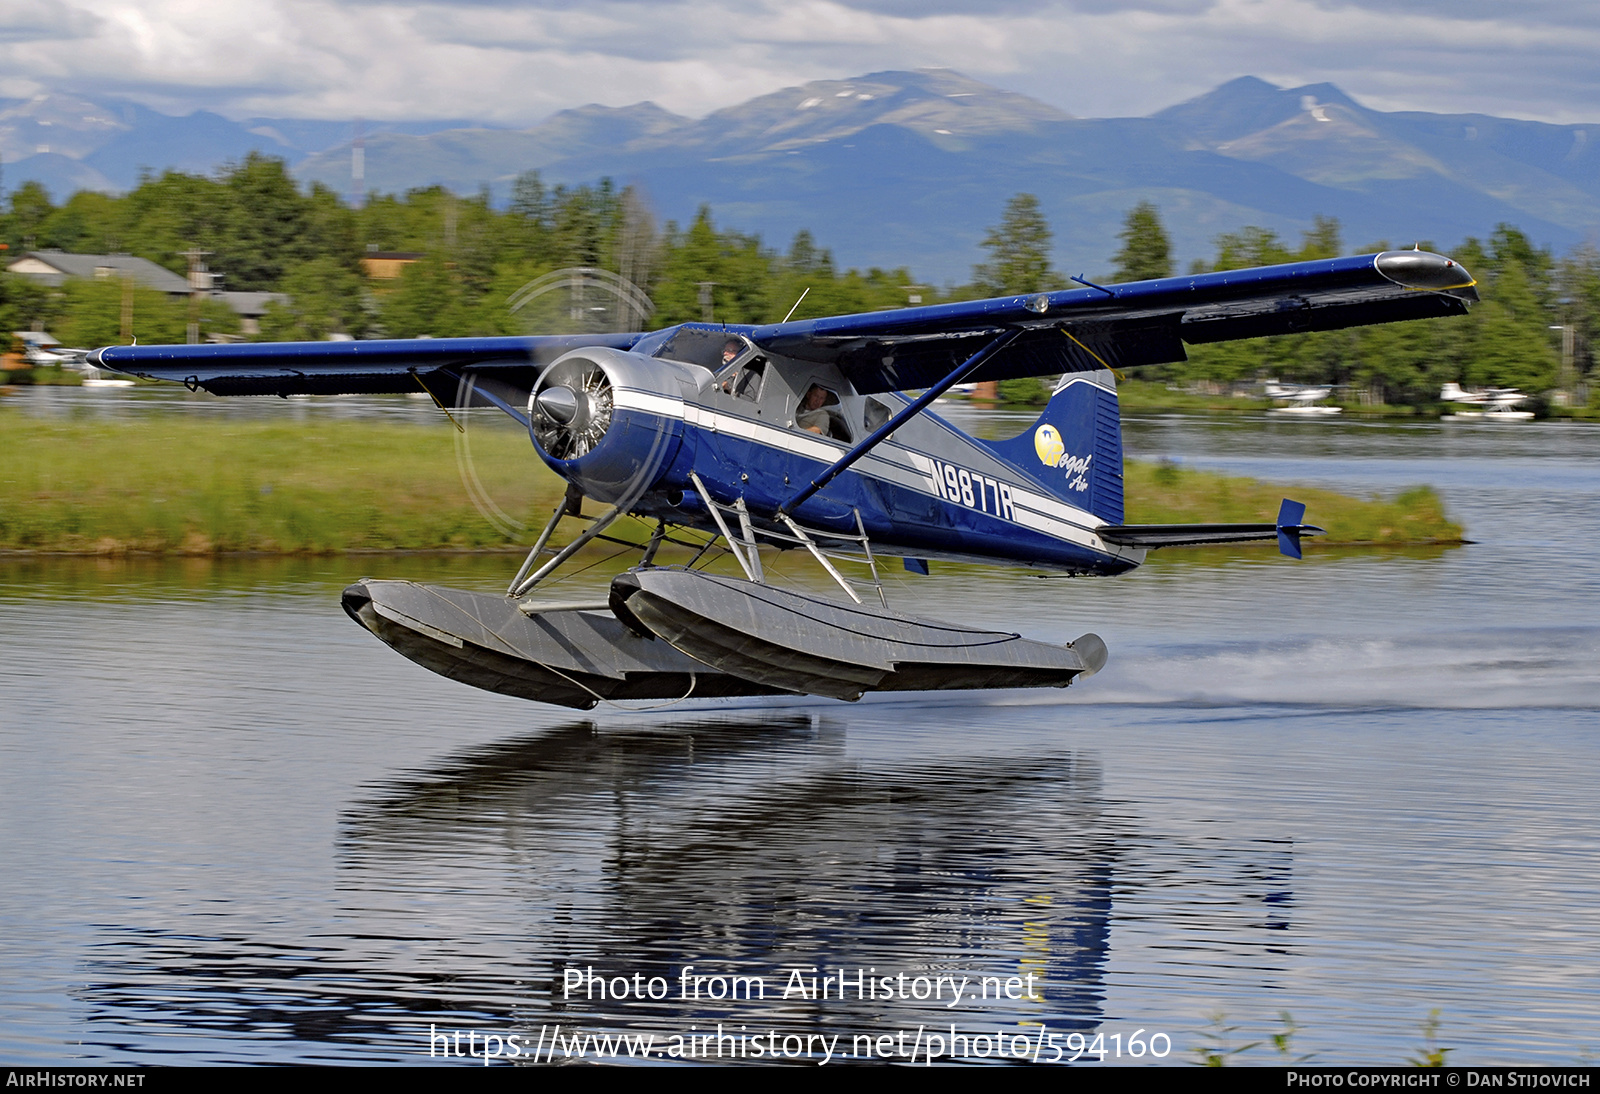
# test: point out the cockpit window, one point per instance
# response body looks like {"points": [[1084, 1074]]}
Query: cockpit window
{"points": [[708, 347], [747, 385]]}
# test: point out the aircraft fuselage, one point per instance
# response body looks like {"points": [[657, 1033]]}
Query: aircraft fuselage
{"points": [[763, 427]]}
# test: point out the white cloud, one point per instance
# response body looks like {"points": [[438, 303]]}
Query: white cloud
{"points": [[514, 62], [43, 20]]}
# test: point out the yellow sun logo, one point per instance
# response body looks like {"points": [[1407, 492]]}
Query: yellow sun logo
{"points": [[1047, 442]]}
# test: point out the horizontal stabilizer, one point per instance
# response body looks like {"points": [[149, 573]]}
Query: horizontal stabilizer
{"points": [[1287, 530]]}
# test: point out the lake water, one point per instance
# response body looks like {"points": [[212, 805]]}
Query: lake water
{"points": [[1357, 790]]}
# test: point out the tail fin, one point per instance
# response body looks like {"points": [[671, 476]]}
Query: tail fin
{"points": [[1074, 450]]}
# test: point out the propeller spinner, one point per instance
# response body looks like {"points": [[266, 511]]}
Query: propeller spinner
{"points": [[570, 409]]}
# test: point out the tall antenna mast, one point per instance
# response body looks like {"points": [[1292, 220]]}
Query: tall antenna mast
{"points": [[358, 166]]}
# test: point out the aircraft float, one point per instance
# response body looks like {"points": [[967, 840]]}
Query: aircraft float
{"points": [[813, 435]]}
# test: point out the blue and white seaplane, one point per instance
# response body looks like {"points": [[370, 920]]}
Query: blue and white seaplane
{"points": [[805, 435]]}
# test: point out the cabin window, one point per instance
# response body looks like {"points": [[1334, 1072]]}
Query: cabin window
{"points": [[819, 412], [877, 413]]}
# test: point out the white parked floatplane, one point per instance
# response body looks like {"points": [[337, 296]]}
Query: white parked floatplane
{"points": [[40, 350], [1497, 404], [1303, 399]]}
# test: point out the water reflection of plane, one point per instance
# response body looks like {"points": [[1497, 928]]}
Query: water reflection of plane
{"points": [[93, 377], [753, 845], [1303, 399], [1497, 404], [762, 848]]}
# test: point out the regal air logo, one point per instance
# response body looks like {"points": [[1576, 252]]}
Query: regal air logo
{"points": [[1052, 452], [1047, 442]]}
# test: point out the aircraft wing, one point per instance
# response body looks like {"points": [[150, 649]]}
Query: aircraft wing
{"points": [[1121, 326], [348, 368], [1082, 329]]}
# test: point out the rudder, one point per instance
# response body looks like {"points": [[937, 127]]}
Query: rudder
{"points": [[1074, 450]]}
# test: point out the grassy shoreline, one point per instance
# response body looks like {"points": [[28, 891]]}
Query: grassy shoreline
{"points": [[205, 487]]}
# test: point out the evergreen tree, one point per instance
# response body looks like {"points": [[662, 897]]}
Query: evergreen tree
{"points": [[1146, 250], [264, 233], [693, 258], [1019, 251]]}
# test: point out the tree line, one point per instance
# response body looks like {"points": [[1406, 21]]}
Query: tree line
{"points": [[263, 232], [1534, 327]]}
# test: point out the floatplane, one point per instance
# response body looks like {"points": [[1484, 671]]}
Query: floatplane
{"points": [[42, 351], [812, 436], [1301, 399], [1498, 404]]}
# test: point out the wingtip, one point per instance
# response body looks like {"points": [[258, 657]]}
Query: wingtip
{"points": [[1428, 272]]}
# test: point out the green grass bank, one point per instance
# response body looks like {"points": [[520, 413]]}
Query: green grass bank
{"points": [[204, 487]]}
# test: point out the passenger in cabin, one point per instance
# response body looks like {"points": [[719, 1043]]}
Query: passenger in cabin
{"points": [[819, 412], [811, 416]]}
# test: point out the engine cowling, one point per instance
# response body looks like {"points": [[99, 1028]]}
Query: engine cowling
{"points": [[608, 420]]}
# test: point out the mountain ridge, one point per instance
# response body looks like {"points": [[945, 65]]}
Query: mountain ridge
{"points": [[910, 168]]}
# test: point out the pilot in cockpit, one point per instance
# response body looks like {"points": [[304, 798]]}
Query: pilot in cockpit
{"points": [[730, 351]]}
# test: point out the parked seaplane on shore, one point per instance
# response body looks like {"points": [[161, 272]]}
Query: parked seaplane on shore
{"points": [[42, 351], [1306, 400], [815, 436], [1498, 404]]}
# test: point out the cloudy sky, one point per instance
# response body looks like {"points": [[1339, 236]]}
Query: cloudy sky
{"points": [[515, 62]]}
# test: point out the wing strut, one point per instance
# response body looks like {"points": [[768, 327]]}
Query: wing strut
{"points": [[917, 406], [751, 563]]}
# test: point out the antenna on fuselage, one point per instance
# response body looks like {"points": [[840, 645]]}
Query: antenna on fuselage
{"points": [[797, 304]]}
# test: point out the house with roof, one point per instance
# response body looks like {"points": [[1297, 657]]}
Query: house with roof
{"points": [[53, 268]]}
